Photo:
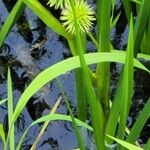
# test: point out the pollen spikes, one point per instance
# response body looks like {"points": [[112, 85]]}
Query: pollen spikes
{"points": [[84, 14]]}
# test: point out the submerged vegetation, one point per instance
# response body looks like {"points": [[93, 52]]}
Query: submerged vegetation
{"points": [[104, 117]]}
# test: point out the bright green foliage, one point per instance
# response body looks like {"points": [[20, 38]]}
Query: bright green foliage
{"points": [[77, 132], [125, 144], [2, 101], [77, 17], [127, 7], [84, 16], [52, 117], [10, 112], [2, 135], [103, 38], [11, 20], [57, 3], [127, 84], [141, 24], [137, 128], [145, 46]]}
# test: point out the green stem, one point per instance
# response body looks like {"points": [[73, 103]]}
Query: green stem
{"points": [[140, 24], [72, 46], [103, 69], [95, 107], [127, 7], [81, 97]]}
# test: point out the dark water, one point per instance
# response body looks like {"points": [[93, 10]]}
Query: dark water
{"points": [[58, 134], [28, 32]]}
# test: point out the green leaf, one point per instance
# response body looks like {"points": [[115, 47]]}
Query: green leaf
{"points": [[127, 90], [63, 67], [2, 134], [3, 101], [140, 24], [94, 105], [139, 124], [57, 117], [144, 56], [127, 7], [125, 144], [47, 17], [145, 46], [11, 20], [147, 145], [10, 111], [113, 117], [52, 117], [113, 23], [81, 143], [103, 69], [136, 1]]}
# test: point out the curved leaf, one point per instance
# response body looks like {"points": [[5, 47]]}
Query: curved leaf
{"points": [[63, 67], [47, 17], [125, 144], [53, 117]]}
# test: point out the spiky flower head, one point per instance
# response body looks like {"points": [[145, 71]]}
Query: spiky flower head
{"points": [[57, 3], [84, 16]]}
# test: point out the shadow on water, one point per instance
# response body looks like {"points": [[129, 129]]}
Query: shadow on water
{"points": [[30, 48]]}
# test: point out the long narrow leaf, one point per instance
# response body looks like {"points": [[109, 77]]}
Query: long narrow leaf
{"points": [[52, 117], [126, 95], [127, 7], [125, 144], [55, 117], [144, 56], [77, 131], [47, 17], [103, 69], [61, 68], [140, 24], [145, 46], [114, 112], [3, 101], [139, 124], [10, 112], [2, 134], [11, 20]]}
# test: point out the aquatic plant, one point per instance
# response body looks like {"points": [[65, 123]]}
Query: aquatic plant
{"points": [[92, 91], [57, 3], [84, 16]]}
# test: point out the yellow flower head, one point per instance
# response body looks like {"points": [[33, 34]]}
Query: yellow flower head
{"points": [[57, 3], [84, 16]]}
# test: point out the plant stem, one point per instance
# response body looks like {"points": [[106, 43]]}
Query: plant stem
{"points": [[103, 69]]}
